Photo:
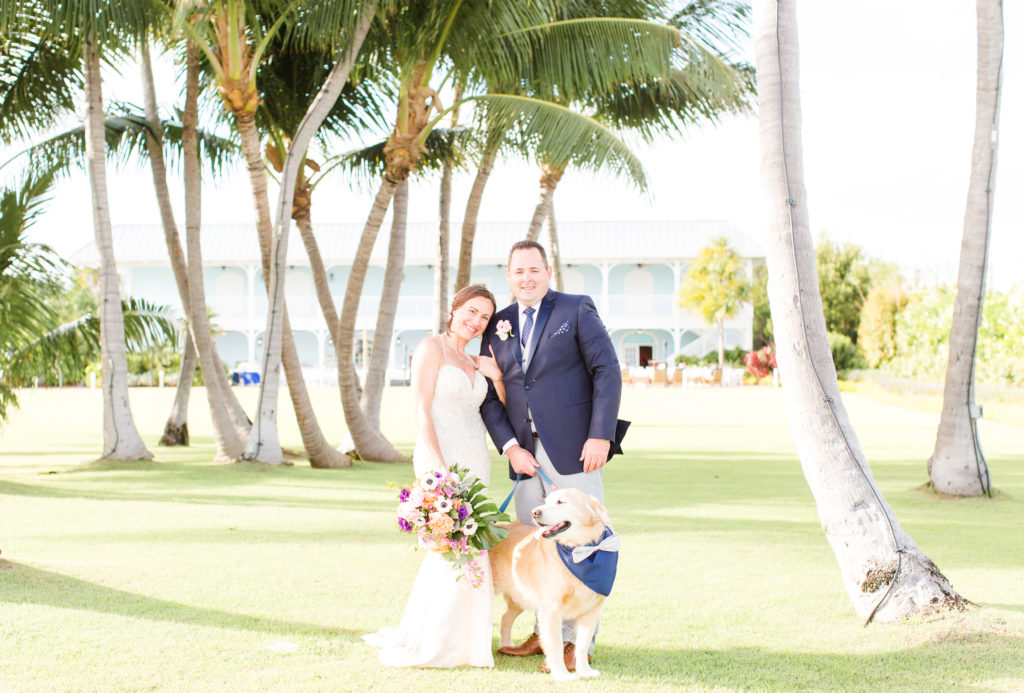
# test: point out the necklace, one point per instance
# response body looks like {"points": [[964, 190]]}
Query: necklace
{"points": [[462, 356]]}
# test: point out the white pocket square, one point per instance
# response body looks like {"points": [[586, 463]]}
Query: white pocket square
{"points": [[562, 329]]}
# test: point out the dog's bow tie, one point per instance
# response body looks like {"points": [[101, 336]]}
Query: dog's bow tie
{"points": [[612, 542]]}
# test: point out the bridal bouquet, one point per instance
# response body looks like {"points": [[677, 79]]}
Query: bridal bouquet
{"points": [[450, 513]]}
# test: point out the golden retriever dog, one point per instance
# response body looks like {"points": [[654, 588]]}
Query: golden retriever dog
{"points": [[527, 569]]}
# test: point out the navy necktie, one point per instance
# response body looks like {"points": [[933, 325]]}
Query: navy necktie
{"points": [[527, 327]]}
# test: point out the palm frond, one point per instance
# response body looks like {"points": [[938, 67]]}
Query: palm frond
{"points": [[560, 136], [75, 343], [39, 78], [366, 165], [125, 136], [717, 24]]}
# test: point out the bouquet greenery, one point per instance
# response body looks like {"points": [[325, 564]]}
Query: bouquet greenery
{"points": [[450, 513]]}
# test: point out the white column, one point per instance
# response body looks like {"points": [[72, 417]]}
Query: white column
{"points": [[605, 308], [250, 298]]}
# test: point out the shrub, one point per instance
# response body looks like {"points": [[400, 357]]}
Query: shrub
{"points": [[844, 352]]}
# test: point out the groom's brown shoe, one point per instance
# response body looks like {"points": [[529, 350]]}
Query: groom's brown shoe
{"points": [[570, 659], [530, 646]]}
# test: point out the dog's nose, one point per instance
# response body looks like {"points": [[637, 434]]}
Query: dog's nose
{"points": [[535, 512]]}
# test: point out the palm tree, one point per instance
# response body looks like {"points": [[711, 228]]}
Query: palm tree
{"points": [[86, 34], [263, 445], [460, 38], [716, 286], [957, 465], [234, 37], [32, 342], [221, 398], [700, 84], [886, 575]]}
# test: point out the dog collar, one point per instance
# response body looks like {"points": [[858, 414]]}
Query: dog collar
{"points": [[595, 564]]}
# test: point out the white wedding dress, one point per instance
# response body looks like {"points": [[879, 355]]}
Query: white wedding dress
{"points": [[447, 622]]}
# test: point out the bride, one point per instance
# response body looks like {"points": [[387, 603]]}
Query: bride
{"points": [[447, 622]]}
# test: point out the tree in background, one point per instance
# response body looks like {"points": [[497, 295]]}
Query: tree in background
{"points": [[844, 279], [716, 287], [957, 465], [763, 335], [876, 334]]}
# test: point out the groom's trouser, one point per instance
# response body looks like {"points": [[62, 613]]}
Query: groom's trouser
{"points": [[532, 491]]}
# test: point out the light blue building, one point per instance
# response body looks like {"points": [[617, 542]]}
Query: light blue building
{"points": [[633, 271]]}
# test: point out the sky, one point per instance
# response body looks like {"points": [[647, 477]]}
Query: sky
{"points": [[887, 95]]}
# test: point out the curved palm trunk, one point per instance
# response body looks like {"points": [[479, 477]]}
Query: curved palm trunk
{"points": [[280, 346], [549, 177], [376, 373], [218, 385], [443, 247], [957, 465], [554, 250], [121, 440], [368, 441], [264, 444], [476, 195], [176, 429], [886, 575], [227, 436]]}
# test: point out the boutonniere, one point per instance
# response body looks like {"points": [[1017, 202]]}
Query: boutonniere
{"points": [[503, 329]]}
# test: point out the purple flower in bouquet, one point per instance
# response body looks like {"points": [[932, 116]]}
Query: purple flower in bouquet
{"points": [[403, 495], [404, 525], [463, 511]]}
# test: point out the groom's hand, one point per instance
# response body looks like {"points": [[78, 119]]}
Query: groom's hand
{"points": [[521, 460], [595, 454]]}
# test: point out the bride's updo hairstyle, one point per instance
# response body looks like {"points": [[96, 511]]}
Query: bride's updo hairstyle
{"points": [[468, 293]]}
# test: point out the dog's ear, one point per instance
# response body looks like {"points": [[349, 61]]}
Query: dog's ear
{"points": [[599, 513]]}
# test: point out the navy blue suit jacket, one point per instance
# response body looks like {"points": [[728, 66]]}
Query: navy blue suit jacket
{"points": [[572, 385]]}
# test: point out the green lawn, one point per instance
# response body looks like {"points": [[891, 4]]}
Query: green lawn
{"points": [[183, 575]]}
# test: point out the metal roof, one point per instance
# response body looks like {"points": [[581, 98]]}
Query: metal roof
{"points": [[581, 241]]}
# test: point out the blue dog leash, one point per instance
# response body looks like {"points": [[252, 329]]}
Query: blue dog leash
{"points": [[544, 477]]}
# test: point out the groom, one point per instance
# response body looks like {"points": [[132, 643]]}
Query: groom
{"points": [[562, 390]]}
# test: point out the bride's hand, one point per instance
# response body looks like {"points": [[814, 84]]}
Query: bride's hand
{"points": [[488, 366]]}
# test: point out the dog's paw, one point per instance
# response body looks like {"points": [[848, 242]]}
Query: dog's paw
{"points": [[563, 676], [588, 673]]}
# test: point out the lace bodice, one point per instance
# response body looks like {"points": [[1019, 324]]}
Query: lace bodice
{"points": [[455, 412]]}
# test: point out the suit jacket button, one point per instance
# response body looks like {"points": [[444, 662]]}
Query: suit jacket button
{"points": [[527, 387]]}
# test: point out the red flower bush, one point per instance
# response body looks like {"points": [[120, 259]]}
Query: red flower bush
{"points": [[761, 363]]}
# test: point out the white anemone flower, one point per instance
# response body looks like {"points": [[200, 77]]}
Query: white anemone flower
{"points": [[470, 527]]}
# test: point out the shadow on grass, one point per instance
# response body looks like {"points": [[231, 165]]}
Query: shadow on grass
{"points": [[991, 657], [176, 495], [24, 584]]}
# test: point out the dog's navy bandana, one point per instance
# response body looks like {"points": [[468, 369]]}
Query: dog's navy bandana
{"points": [[596, 570]]}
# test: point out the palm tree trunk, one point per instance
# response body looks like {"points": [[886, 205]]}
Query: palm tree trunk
{"points": [[218, 384], [368, 441], [476, 195], [227, 436], [376, 373], [549, 177], [121, 440], [443, 273], [554, 251], [279, 344], [886, 575], [440, 307], [264, 444], [957, 465], [176, 429]]}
